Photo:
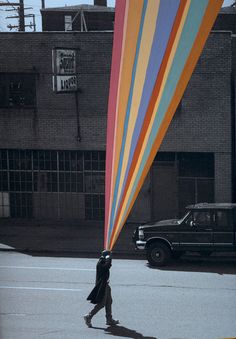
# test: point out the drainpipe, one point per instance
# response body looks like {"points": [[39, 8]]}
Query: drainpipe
{"points": [[77, 116], [233, 137]]}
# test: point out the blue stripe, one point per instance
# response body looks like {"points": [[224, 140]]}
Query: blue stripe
{"points": [[165, 20]]}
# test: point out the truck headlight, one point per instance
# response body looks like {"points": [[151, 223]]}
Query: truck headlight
{"points": [[140, 234]]}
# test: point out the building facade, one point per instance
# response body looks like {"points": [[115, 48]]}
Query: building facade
{"points": [[83, 18], [53, 142]]}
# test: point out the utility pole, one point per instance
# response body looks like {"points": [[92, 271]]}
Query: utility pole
{"points": [[20, 9], [21, 12]]}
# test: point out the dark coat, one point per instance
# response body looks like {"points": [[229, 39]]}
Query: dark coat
{"points": [[102, 276]]}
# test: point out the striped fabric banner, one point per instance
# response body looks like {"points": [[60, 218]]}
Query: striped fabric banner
{"points": [[156, 46]]}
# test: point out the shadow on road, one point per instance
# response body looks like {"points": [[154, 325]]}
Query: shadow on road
{"points": [[124, 332], [217, 264], [62, 238]]}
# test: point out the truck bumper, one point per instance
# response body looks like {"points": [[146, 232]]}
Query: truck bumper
{"points": [[140, 245]]}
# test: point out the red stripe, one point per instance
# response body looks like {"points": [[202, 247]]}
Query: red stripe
{"points": [[111, 115]]}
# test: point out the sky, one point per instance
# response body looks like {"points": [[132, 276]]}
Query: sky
{"points": [[36, 5]]}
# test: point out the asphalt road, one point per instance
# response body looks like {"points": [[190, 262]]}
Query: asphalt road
{"points": [[45, 297]]}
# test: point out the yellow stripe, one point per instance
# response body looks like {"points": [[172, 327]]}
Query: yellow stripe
{"points": [[149, 27], [173, 51]]}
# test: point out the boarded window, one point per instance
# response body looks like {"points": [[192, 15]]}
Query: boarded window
{"points": [[17, 90], [68, 23]]}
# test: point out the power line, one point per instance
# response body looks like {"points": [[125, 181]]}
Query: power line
{"points": [[20, 9], [11, 5]]}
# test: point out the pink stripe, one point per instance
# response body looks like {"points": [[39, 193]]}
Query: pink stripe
{"points": [[111, 115]]}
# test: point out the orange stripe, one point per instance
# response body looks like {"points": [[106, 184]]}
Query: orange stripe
{"points": [[207, 22]]}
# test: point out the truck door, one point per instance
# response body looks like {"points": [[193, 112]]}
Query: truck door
{"points": [[197, 231], [223, 234]]}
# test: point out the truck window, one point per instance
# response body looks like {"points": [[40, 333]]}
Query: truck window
{"points": [[223, 220], [202, 218]]}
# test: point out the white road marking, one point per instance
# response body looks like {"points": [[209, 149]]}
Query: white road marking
{"points": [[41, 288], [48, 268]]}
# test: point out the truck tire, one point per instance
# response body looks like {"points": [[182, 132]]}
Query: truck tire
{"points": [[158, 254]]}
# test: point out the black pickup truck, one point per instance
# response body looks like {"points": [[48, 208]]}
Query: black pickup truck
{"points": [[205, 228]]}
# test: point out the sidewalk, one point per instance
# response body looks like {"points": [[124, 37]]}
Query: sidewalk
{"points": [[55, 237], [71, 238]]}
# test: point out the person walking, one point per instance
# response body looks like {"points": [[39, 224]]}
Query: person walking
{"points": [[101, 293]]}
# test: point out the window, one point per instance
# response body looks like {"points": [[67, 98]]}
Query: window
{"points": [[4, 205], [70, 182], [94, 164], [68, 23], [94, 161], [20, 181], [17, 90], [20, 160], [26, 172], [3, 181], [167, 157], [45, 160], [21, 205], [94, 177], [3, 159], [222, 221], [195, 178], [202, 218], [199, 165], [71, 171], [94, 206], [94, 182]]}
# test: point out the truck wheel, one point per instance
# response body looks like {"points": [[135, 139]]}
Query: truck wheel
{"points": [[158, 254]]}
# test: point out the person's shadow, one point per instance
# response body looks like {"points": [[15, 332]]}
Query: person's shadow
{"points": [[121, 331]]}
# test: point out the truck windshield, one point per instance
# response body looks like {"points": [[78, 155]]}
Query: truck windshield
{"points": [[182, 219]]}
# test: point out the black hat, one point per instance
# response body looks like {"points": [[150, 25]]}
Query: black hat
{"points": [[106, 253]]}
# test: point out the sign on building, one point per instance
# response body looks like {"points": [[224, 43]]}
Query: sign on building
{"points": [[64, 70]]}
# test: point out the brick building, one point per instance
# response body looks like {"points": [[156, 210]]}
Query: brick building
{"points": [[52, 145]]}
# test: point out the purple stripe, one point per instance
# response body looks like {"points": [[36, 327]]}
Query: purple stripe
{"points": [[165, 20]]}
